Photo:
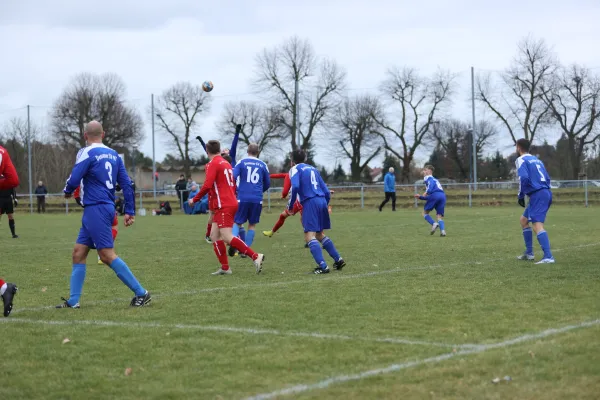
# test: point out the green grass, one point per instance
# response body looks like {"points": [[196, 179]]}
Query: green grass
{"points": [[400, 283]]}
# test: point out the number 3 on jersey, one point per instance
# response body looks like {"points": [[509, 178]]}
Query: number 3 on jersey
{"points": [[109, 182]]}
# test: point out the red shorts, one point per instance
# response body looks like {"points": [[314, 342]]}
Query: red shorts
{"points": [[297, 209], [224, 217], [115, 220]]}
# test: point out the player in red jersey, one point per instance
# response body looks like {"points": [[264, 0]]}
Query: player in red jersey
{"points": [[287, 184], [8, 180], [220, 186], [115, 222]]}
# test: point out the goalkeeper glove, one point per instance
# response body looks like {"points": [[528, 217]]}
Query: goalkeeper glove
{"points": [[521, 202], [238, 129]]}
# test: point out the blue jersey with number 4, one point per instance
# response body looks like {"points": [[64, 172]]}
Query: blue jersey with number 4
{"points": [[532, 175], [252, 177], [97, 170], [307, 183]]}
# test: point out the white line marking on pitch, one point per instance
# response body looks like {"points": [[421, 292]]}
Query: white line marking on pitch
{"points": [[307, 280], [432, 360], [252, 331]]}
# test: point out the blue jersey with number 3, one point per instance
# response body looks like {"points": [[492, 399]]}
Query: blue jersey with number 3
{"points": [[532, 175], [307, 183], [252, 177], [97, 170]]}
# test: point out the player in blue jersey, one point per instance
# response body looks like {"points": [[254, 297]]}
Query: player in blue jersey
{"points": [[229, 156], [252, 177], [534, 182], [435, 199], [314, 196], [97, 170]]}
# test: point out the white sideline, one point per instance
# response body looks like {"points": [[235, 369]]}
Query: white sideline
{"points": [[432, 360], [252, 331], [307, 280]]}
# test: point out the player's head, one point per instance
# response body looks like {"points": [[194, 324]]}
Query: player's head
{"points": [[253, 150], [93, 132], [298, 156], [213, 148], [391, 170], [428, 169], [523, 146]]}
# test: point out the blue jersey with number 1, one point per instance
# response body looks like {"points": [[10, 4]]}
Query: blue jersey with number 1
{"points": [[307, 184], [97, 170], [532, 175]]}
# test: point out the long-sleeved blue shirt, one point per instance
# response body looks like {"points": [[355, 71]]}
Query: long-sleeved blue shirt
{"points": [[389, 182], [306, 184], [532, 175], [97, 170], [252, 177]]}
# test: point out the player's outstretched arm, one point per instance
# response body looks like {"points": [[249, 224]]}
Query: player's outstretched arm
{"points": [[201, 142], [234, 143]]}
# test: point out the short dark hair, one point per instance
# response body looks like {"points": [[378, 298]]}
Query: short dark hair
{"points": [[298, 156], [429, 167], [524, 145], [227, 158], [213, 147], [253, 149]]}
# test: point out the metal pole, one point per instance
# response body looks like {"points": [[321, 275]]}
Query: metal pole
{"points": [[29, 161], [362, 196], [153, 147], [586, 191], [474, 128], [296, 109], [470, 198], [416, 200], [269, 199]]}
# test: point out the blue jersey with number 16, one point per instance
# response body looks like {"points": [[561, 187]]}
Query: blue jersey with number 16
{"points": [[252, 177], [307, 183], [97, 170]]}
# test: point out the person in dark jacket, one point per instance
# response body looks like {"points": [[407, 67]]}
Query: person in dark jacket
{"points": [[181, 186], [389, 187], [41, 192]]}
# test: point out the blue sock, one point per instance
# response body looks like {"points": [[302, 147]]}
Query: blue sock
{"points": [[77, 278], [330, 248], [442, 224], [126, 276], [544, 243], [429, 219], [317, 253], [235, 230], [528, 237], [242, 234], [250, 237]]}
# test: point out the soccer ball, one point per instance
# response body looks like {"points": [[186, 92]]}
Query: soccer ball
{"points": [[207, 86]]}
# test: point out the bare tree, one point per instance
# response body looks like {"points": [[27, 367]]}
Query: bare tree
{"points": [[178, 110], [96, 97], [573, 102], [284, 72], [261, 125], [520, 104], [456, 139], [354, 131], [419, 100]]}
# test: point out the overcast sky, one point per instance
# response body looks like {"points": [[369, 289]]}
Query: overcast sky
{"points": [[154, 43]]}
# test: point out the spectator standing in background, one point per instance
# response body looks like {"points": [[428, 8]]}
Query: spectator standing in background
{"points": [[41, 192], [180, 187], [389, 187]]}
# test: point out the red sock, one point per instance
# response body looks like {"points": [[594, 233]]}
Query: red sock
{"points": [[221, 252], [114, 234], [208, 229], [279, 223], [2, 282], [240, 246]]}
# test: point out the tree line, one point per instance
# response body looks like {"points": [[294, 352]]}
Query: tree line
{"points": [[303, 104]]}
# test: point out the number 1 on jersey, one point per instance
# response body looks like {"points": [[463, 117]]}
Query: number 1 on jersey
{"points": [[229, 176]]}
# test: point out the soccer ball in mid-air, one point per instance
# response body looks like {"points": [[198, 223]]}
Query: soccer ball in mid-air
{"points": [[207, 86]]}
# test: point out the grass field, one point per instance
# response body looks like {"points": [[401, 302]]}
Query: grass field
{"points": [[412, 316]]}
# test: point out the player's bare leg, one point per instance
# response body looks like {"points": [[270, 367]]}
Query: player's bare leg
{"points": [[441, 224], [528, 238], [434, 225], [544, 242], [7, 292], [115, 232], [220, 250], [338, 261], [257, 258], [282, 217]]}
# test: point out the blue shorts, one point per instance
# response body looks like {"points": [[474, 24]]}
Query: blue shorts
{"points": [[436, 200], [315, 215], [96, 227], [539, 204], [248, 212]]}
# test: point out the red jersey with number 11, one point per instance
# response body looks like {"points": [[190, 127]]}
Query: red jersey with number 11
{"points": [[219, 185]]}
